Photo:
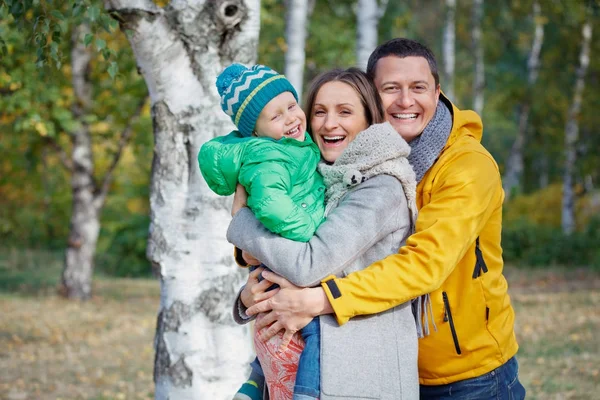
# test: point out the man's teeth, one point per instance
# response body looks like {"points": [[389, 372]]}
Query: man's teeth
{"points": [[405, 116]]}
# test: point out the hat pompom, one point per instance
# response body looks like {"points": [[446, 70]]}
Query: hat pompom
{"points": [[229, 74]]}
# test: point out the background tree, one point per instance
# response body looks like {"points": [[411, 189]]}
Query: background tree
{"points": [[572, 132], [368, 14], [477, 48], [514, 164], [297, 12], [180, 49], [449, 48]]}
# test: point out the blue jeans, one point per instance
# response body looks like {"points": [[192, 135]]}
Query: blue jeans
{"points": [[499, 384], [308, 376]]}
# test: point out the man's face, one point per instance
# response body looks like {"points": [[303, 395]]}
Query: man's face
{"points": [[408, 92]]}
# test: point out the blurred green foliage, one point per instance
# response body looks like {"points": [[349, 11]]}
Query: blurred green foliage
{"points": [[36, 99]]}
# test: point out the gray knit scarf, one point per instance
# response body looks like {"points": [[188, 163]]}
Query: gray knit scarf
{"points": [[425, 149]]}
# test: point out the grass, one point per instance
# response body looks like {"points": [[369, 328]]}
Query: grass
{"points": [[51, 348]]}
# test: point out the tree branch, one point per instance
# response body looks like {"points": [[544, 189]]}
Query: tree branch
{"points": [[124, 139], [62, 154]]}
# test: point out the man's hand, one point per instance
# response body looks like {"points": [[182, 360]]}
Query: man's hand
{"points": [[290, 309], [255, 291], [249, 258], [240, 199]]}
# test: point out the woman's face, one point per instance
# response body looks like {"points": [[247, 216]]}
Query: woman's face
{"points": [[337, 117]]}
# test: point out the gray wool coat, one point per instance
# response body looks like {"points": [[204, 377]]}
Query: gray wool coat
{"points": [[369, 357]]}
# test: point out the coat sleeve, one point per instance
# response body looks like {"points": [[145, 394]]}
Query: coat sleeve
{"points": [[365, 215], [269, 185], [220, 164], [463, 197]]}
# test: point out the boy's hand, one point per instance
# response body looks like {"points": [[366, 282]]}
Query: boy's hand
{"points": [[240, 199], [255, 291]]}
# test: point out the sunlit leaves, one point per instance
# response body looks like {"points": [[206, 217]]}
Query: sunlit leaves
{"points": [[52, 21]]}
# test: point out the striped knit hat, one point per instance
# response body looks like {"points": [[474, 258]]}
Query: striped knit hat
{"points": [[246, 91]]}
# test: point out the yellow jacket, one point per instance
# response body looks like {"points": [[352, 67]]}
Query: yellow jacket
{"points": [[455, 255]]}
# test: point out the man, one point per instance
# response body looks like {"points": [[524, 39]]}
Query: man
{"points": [[454, 254]]}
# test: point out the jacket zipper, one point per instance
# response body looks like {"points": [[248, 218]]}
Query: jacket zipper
{"points": [[480, 265], [448, 318]]}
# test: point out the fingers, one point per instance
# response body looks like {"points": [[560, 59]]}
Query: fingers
{"points": [[271, 331], [262, 295], [256, 273], [278, 279], [263, 306], [285, 340]]}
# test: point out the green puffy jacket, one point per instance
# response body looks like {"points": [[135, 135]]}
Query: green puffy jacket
{"points": [[285, 191]]}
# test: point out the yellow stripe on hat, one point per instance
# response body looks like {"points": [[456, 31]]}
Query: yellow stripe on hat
{"points": [[251, 95]]}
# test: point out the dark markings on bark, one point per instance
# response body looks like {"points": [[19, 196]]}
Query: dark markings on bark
{"points": [[211, 301], [129, 18], [180, 374], [161, 355], [175, 315]]}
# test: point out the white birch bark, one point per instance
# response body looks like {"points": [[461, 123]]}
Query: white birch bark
{"points": [[572, 133], [515, 165], [84, 225], [368, 14], [295, 36], [449, 49], [477, 45], [180, 49]]}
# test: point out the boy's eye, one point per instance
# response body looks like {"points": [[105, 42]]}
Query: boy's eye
{"points": [[291, 107], [275, 117]]}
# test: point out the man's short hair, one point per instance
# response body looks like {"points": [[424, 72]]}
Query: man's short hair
{"points": [[401, 47]]}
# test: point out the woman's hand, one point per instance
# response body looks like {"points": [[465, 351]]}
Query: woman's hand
{"points": [[255, 291], [240, 199], [290, 309]]}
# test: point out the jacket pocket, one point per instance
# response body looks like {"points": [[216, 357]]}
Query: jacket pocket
{"points": [[448, 318]]}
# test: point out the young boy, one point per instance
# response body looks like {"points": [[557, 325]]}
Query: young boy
{"points": [[276, 161]]}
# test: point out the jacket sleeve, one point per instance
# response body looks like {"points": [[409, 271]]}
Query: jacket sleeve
{"points": [[463, 197], [220, 160], [269, 184], [365, 215]]}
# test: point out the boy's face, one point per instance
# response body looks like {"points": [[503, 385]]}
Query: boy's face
{"points": [[282, 117]]}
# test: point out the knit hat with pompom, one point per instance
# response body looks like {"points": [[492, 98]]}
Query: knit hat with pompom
{"points": [[246, 91]]}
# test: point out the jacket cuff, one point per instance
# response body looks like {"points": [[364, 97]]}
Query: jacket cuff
{"points": [[239, 260], [334, 295], [239, 310]]}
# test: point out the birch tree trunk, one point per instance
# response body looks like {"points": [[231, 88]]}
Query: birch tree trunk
{"points": [[200, 352], [88, 197], [449, 48], [514, 165], [477, 45], [295, 36], [572, 133], [368, 14], [84, 225]]}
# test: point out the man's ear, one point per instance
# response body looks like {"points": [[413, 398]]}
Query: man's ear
{"points": [[437, 92]]}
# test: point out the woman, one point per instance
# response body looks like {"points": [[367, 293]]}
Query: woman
{"points": [[370, 212]]}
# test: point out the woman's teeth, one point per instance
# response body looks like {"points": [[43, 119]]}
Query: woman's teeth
{"points": [[332, 139]]}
